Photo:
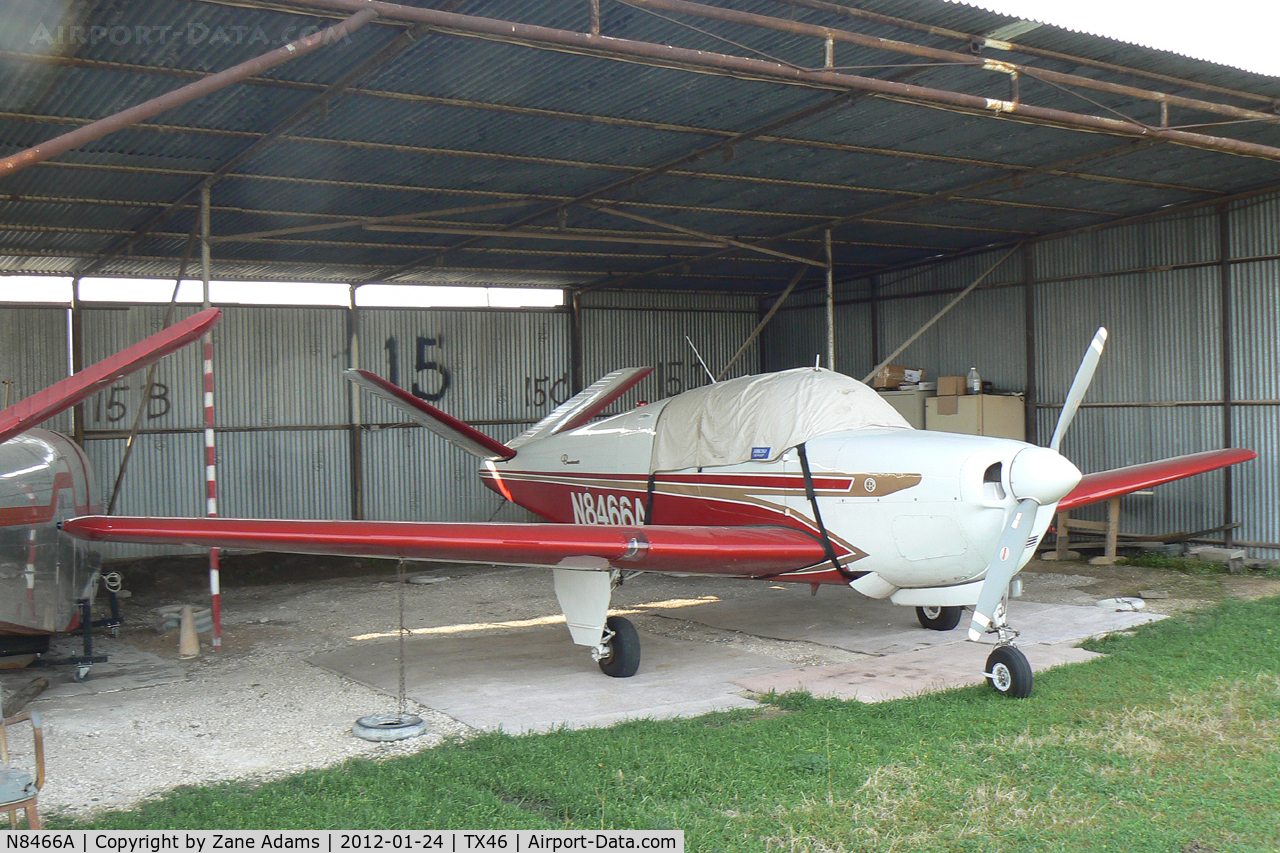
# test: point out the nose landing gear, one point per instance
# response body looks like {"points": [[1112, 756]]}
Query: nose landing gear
{"points": [[1009, 672]]}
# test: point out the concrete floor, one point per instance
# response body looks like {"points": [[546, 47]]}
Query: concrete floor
{"points": [[533, 679]]}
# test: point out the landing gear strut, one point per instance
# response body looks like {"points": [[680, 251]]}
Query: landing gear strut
{"points": [[584, 597], [1008, 669]]}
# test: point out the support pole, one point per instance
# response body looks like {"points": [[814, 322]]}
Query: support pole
{"points": [[576, 377], [76, 335], [875, 319], [831, 301], [936, 317], [764, 321], [1225, 321], [355, 413], [144, 399], [1029, 312], [210, 455]]}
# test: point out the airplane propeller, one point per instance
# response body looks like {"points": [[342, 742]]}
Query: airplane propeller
{"points": [[1084, 377], [1037, 477]]}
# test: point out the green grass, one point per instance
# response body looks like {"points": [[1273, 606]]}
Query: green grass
{"points": [[1170, 743]]}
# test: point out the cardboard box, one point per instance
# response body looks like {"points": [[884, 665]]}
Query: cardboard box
{"points": [[891, 376], [951, 386]]}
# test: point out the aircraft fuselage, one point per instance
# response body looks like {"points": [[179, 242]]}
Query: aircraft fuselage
{"points": [[914, 509], [44, 479]]}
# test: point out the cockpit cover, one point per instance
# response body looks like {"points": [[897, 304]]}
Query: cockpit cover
{"points": [[760, 417]]}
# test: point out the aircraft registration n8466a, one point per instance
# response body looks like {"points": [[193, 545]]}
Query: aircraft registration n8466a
{"points": [[804, 476]]}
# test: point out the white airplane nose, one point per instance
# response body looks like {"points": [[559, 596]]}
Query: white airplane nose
{"points": [[1043, 475]]}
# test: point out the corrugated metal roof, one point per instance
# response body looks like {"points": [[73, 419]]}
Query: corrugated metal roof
{"points": [[451, 122]]}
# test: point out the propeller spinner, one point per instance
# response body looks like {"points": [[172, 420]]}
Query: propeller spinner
{"points": [[1039, 477]]}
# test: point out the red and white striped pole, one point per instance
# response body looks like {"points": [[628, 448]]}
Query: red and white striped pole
{"points": [[210, 451]]}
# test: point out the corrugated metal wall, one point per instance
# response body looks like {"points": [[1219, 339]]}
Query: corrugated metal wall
{"points": [[282, 408], [502, 370], [638, 329], [1157, 286], [35, 354], [284, 444]]}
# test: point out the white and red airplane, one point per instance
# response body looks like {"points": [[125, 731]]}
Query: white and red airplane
{"points": [[47, 580], [805, 476]]}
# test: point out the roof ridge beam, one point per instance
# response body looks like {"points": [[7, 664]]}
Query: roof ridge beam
{"points": [[734, 16], [564, 115], [1026, 50], [667, 56]]}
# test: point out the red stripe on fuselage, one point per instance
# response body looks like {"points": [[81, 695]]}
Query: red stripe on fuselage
{"points": [[551, 497], [22, 516]]}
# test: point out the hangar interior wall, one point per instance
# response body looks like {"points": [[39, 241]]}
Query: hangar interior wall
{"points": [[284, 438], [284, 413], [1160, 288]]}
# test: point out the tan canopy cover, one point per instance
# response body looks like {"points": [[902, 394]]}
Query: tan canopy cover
{"points": [[760, 417]]}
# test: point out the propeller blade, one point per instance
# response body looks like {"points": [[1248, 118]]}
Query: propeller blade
{"points": [[1079, 386], [1003, 566]]}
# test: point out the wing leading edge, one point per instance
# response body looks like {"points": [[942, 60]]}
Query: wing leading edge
{"points": [[1121, 481], [751, 551]]}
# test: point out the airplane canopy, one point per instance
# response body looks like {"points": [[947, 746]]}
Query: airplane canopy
{"points": [[760, 417]]}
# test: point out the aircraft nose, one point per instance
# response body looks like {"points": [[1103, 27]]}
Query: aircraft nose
{"points": [[1043, 475]]}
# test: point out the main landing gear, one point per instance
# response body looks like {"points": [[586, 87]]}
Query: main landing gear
{"points": [[939, 618], [584, 597], [619, 651]]}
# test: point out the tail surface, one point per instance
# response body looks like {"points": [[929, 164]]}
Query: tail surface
{"points": [[581, 408], [424, 414]]}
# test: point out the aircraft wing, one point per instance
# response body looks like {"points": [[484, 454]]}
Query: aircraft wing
{"points": [[1121, 481], [41, 406], [752, 551]]}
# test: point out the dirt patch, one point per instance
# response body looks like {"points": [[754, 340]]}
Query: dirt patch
{"points": [[1080, 583]]}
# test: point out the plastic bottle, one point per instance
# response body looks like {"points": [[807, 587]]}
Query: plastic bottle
{"points": [[973, 381]]}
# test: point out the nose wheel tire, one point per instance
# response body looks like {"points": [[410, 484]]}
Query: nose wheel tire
{"points": [[939, 618], [623, 658], [1009, 672]]}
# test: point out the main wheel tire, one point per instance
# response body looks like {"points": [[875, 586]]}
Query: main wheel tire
{"points": [[939, 618], [624, 649], [1009, 672]]}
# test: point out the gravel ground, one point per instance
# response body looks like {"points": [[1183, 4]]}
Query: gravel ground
{"points": [[257, 709]]}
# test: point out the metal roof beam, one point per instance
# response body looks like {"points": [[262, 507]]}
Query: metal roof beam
{"points": [[563, 115], [323, 182], [639, 172], [839, 221], [950, 57], [568, 275], [370, 64], [1026, 50], [667, 56], [669, 167], [336, 221], [182, 95]]}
